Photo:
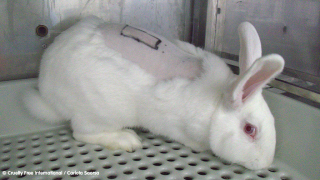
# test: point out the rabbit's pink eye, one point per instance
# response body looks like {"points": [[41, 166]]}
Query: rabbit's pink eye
{"points": [[250, 130]]}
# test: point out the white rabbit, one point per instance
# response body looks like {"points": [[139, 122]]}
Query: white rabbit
{"points": [[203, 105]]}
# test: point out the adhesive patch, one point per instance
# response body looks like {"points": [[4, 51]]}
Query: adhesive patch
{"points": [[141, 36], [56, 155]]}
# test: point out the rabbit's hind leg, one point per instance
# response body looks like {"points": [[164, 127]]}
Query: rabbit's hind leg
{"points": [[125, 139]]}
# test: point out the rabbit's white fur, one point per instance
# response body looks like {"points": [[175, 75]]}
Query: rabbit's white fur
{"points": [[102, 93]]}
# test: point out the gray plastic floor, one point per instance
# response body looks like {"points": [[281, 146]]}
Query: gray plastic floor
{"points": [[56, 155]]}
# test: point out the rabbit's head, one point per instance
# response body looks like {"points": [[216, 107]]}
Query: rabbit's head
{"points": [[242, 129]]}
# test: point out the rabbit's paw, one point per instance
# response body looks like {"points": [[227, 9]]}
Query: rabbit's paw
{"points": [[125, 139]]}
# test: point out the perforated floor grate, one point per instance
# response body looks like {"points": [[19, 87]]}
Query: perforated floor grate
{"points": [[56, 155]]}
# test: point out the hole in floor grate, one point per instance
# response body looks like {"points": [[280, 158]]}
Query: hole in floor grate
{"points": [[71, 164], [216, 168], [179, 168], [150, 177], [165, 173], [188, 178], [157, 164], [127, 172], [122, 162], [273, 170], [143, 168], [112, 176], [202, 173], [238, 171], [226, 177], [98, 149], [171, 159], [262, 175], [137, 159], [160, 158], [285, 178]]}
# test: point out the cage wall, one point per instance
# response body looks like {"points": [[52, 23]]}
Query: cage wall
{"points": [[21, 48]]}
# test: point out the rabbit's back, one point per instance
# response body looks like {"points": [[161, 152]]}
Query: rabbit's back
{"points": [[152, 52]]}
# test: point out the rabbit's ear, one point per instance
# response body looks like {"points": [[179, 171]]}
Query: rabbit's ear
{"points": [[250, 46], [259, 74]]}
